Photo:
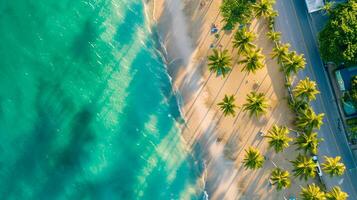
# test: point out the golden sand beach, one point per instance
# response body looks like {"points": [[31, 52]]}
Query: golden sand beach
{"points": [[184, 27]]}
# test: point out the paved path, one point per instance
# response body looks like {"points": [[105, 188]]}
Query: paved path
{"points": [[299, 28]]}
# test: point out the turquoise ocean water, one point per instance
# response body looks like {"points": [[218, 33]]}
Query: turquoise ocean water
{"points": [[86, 106]]}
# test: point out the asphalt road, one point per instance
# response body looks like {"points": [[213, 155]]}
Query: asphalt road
{"points": [[300, 29]]}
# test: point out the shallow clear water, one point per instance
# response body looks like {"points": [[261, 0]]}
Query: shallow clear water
{"points": [[86, 106]]}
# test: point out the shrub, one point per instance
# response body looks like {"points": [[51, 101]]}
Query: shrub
{"points": [[351, 96], [338, 40], [236, 11]]}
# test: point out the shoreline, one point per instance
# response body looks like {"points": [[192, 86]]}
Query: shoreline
{"points": [[179, 77], [195, 152]]}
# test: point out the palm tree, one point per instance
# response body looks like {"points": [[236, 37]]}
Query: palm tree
{"points": [[336, 194], [271, 19], [253, 61], [304, 167], [263, 8], [227, 105], [312, 192], [308, 142], [278, 138], [274, 36], [243, 41], [280, 51], [256, 104], [298, 105], [293, 63], [328, 7], [306, 90], [219, 62], [333, 166], [280, 178], [253, 159], [307, 120]]}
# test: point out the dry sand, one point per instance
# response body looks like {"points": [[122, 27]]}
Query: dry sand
{"points": [[184, 26]]}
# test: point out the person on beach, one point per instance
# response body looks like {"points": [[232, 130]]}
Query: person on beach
{"points": [[214, 29]]}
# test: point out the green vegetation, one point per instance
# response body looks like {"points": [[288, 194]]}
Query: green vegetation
{"points": [[271, 20], [352, 121], [243, 41], [278, 138], [305, 90], [253, 159], [351, 95], [292, 63], [298, 105], [274, 36], [280, 51], [256, 104], [219, 62], [307, 120], [352, 134], [227, 105], [336, 194], [236, 11], [338, 40], [253, 61], [352, 129], [312, 192], [328, 7], [280, 178], [263, 8], [304, 167], [308, 142], [333, 166]]}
